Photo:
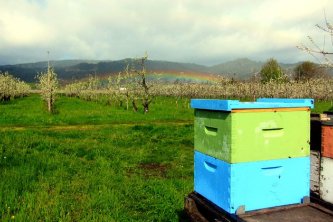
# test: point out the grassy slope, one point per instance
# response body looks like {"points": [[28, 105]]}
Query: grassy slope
{"points": [[92, 162]]}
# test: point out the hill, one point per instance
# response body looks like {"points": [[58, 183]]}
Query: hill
{"points": [[69, 70], [244, 68], [78, 69], [240, 67]]}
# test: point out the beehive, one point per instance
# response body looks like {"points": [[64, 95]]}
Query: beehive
{"points": [[252, 155], [251, 185], [327, 139], [237, 132], [326, 179]]}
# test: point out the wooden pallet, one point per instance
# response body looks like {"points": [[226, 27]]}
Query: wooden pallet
{"points": [[200, 209]]}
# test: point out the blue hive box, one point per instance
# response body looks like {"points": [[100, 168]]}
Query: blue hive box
{"points": [[261, 103], [251, 185]]}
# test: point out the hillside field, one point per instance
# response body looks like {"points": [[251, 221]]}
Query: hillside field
{"points": [[94, 162]]}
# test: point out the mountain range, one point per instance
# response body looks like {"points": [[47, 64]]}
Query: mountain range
{"points": [[69, 70]]}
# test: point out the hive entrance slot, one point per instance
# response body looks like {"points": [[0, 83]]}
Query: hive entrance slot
{"points": [[211, 130], [210, 166], [271, 168], [273, 129]]}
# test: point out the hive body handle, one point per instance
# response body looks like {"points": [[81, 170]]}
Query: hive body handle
{"points": [[212, 131]]}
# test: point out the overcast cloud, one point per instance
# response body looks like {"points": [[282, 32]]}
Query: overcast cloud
{"points": [[204, 32]]}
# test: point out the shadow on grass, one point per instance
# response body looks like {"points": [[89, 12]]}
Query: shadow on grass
{"points": [[182, 216], [9, 102]]}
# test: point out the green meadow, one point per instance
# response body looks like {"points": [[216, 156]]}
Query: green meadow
{"points": [[94, 162]]}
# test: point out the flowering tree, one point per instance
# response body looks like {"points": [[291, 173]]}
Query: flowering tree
{"points": [[271, 71], [123, 87], [48, 83], [11, 87]]}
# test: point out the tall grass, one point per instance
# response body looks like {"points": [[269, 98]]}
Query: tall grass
{"points": [[110, 166], [31, 111]]}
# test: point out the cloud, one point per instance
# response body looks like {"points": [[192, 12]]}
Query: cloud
{"points": [[185, 30], [18, 24]]}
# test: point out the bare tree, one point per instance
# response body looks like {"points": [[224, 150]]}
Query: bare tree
{"points": [[321, 51], [147, 97]]}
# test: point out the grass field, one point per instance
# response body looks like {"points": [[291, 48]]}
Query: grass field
{"points": [[93, 162]]}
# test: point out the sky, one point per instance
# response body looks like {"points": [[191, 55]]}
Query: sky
{"points": [[195, 31]]}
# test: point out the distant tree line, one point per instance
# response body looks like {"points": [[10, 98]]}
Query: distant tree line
{"points": [[272, 71]]}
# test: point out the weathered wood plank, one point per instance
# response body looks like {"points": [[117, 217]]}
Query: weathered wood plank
{"points": [[326, 179], [200, 209], [315, 171]]}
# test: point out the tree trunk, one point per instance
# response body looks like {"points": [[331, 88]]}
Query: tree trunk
{"points": [[145, 105], [49, 106], [135, 108]]}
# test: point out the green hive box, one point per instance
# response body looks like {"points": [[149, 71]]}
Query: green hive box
{"points": [[244, 135]]}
